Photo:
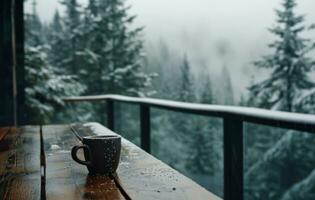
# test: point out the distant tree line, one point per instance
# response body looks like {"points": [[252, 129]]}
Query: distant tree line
{"points": [[281, 163], [88, 50], [96, 49]]}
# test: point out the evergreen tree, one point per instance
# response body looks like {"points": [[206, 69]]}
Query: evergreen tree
{"points": [[186, 93], [44, 88], [204, 143], [68, 42], [55, 36], [56, 25], [243, 101], [228, 95], [112, 57], [182, 123], [164, 63], [33, 31], [90, 43], [303, 190], [289, 63], [115, 50], [93, 7], [288, 162], [207, 94]]}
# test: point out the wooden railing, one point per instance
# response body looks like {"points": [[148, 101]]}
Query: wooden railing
{"points": [[233, 119]]}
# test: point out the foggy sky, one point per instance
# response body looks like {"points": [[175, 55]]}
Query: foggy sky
{"points": [[200, 27]]}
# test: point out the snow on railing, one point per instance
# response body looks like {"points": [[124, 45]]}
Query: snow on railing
{"points": [[233, 120], [302, 122]]}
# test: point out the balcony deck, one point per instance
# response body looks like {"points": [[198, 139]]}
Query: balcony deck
{"points": [[233, 118], [35, 163]]}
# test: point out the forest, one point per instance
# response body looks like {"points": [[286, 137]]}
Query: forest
{"points": [[96, 49]]}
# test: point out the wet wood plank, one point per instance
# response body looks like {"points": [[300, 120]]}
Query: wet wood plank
{"points": [[144, 177], [20, 176], [3, 132], [66, 179]]}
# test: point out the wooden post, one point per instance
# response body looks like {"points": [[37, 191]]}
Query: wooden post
{"points": [[233, 159], [145, 128], [12, 63], [19, 64], [110, 115], [6, 65]]}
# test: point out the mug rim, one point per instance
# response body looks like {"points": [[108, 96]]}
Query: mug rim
{"points": [[101, 137]]}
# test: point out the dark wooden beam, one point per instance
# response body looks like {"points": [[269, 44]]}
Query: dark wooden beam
{"points": [[12, 63], [6, 63], [20, 70]]}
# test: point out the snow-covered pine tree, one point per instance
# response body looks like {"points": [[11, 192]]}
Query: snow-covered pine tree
{"points": [[289, 64], [92, 8], [193, 131], [186, 91], [288, 163], [182, 123], [44, 88], [302, 190], [163, 62], [112, 57], [69, 42], [204, 143], [55, 37], [207, 92], [243, 101], [33, 27], [114, 49], [228, 93], [56, 25]]}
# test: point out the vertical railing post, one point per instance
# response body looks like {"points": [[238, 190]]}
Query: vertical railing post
{"points": [[110, 114], [233, 159], [145, 128]]}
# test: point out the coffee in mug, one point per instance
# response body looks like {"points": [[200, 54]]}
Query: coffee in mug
{"points": [[102, 153]]}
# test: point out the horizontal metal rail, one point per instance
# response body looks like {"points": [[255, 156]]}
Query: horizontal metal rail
{"points": [[295, 121], [233, 121]]}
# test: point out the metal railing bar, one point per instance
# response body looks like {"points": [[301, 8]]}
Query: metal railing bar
{"points": [[233, 117], [296, 121], [110, 115], [233, 159], [145, 128]]}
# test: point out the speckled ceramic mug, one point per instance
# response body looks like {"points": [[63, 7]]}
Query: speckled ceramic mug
{"points": [[102, 153]]}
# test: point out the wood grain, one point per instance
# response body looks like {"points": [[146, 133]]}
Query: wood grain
{"points": [[139, 176], [3, 132], [66, 179], [20, 176], [144, 177]]}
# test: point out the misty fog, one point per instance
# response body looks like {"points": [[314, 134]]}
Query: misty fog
{"points": [[213, 33]]}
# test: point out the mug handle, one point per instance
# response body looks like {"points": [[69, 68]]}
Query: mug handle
{"points": [[75, 157]]}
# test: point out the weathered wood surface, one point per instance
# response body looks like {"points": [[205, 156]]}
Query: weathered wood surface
{"points": [[143, 177], [66, 179], [20, 176], [139, 176], [3, 132]]}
